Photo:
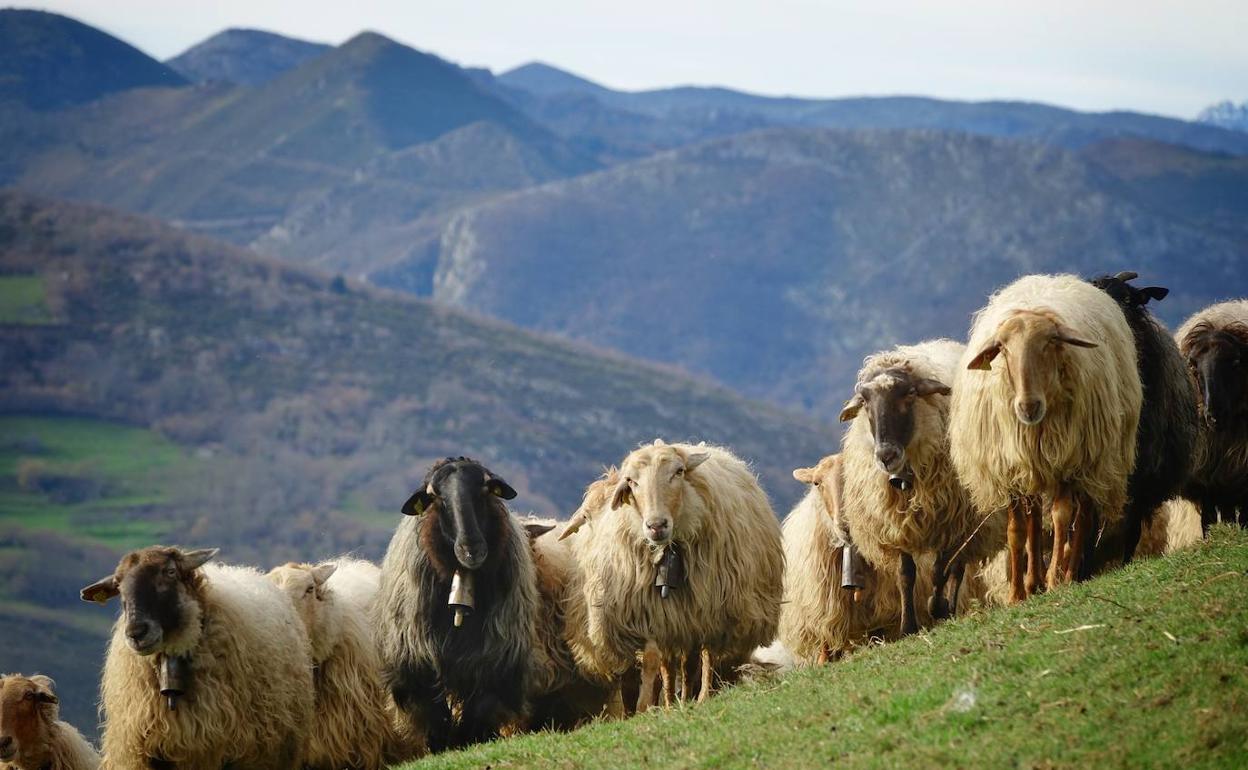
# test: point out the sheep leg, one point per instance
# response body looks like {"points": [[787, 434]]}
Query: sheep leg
{"points": [[959, 572], [937, 605], [1035, 549], [684, 677], [824, 655], [1081, 541], [708, 675], [1062, 514], [906, 573], [1208, 515], [1017, 538], [665, 673], [650, 665]]}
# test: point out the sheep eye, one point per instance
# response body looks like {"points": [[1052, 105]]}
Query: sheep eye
{"points": [[29, 696], [171, 572], [632, 483], [309, 591]]}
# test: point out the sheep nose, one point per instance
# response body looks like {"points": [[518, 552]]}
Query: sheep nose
{"points": [[1030, 412], [888, 456], [137, 631], [656, 528], [471, 555]]}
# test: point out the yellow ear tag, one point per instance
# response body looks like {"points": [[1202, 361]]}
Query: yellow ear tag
{"points": [[100, 597]]}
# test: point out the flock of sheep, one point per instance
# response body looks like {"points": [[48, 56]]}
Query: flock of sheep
{"points": [[1069, 399]]}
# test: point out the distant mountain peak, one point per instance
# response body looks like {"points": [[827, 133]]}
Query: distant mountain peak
{"points": [[48, 61], [545, 79], [1226, 114], [246, 56]]}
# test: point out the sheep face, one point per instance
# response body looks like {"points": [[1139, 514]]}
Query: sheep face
{"points": [[654, 482], [304, 584], [27, 706], [459, 495], [1218, 361], [1033, 345], [826, 478], [890, 398], [159, 589]]}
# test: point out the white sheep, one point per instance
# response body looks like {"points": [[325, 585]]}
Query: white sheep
{"points": [[207, 666], [32, 735], [692, 516], [901, 496], [353, 724], [1046, 406]]}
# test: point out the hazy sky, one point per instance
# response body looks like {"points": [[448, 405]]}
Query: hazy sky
{"points": [[1165, 57]]}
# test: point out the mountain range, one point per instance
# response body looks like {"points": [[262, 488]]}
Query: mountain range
{"points": [[249, 57]]}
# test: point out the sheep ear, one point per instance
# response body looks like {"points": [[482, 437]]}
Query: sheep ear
{"points": [[926, 387], [983, 359], [696, 459], [193, 560], [46, 687], [1067, 337], [1153, 292], [536, 529], [500, 488], [804, 475], [418, 502], [851, 408], [323, 572], [100, 592], [623, 494]]}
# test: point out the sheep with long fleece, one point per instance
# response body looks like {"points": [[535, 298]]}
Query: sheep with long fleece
{"points": [[208, 666], [460, 544], [901, 495], [32, 735], [1214, 343], [1046, 407], [353, 724], [820, 621], [693, 519], [1166, 443]]}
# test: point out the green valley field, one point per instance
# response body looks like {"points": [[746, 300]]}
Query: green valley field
{"points": [[1145, 667]]}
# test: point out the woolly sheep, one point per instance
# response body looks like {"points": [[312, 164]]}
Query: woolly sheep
{"points": [[32, 735], [352, 727], [704, 502], [1046, 406], [901, 495], [1166, 443], [477, 657], [1214, 343], [248, 697]]}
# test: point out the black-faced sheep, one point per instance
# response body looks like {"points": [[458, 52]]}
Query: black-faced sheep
{"points": [[352, 728], [1046, 407], [32, 735], [1166, 444], [478, 653], [902, 497], [693, 519], [208, 666], [1214, 343]]}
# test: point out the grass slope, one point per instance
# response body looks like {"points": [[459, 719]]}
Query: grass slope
{"points": [[22, 300], [1147, 666]]}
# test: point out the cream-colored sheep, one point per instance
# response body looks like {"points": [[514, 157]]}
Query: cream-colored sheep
{"points": [[353, 727], [248, 697], [32, 735], [902, 498], [704, 502], [1046, 405]]}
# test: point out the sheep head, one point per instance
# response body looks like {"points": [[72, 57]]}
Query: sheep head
{"points": [[654, 483], [890, 397], [1033, 345], [1217, 357], [461, 497], [305, 585], [825, 477], [159, 588], [28, 706]]}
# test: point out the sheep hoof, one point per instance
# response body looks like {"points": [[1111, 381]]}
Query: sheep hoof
{"points": [[938, 606]]}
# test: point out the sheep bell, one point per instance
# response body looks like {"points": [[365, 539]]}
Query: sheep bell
{"points": [[174, 678], [461, 599], [851, 577], [903, 481], [671, 572]]}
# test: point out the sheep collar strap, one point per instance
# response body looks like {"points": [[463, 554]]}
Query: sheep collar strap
{"points": [[671, 570]]}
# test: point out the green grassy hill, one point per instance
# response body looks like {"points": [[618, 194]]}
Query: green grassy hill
{"points": [[1144, 667]]}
